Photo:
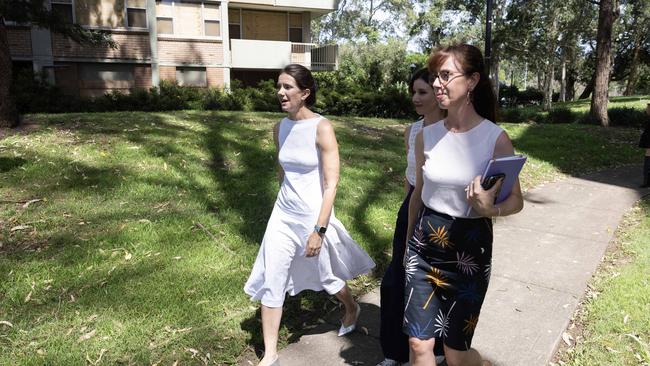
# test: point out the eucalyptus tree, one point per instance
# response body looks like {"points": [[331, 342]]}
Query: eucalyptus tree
{"points": [[608, 11], [633, 44]]}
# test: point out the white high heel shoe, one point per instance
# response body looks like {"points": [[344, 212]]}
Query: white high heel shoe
{"points": [[350, 328]]}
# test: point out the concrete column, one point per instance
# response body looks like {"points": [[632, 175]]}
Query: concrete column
{"points": [[225, 36], [42, 50], [153, 41]]}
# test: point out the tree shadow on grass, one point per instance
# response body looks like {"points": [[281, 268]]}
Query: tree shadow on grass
{"points": [[240, 156], [9, 164]]}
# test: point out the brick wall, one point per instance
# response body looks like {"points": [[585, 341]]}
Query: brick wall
{"points": [[167, 73], [215, 76], [190, 52], [129, 46], [142, 76], [20, 42]]}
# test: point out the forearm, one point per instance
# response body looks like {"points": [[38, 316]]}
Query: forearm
{"points": [[415, 206], [329, 194], [510, 206]]}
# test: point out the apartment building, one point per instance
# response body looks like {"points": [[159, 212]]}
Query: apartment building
{"points": [[193, 42]]}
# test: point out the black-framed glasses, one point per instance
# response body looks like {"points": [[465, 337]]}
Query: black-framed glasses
{"points": [[446, 77]]}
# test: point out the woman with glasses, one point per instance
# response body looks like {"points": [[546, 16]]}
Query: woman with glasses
{"points": [[449, 252], [394, 343], [304, 247]]}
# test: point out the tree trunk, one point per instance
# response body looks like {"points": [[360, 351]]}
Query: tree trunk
{"points": [[589, 88], [8, 113], [563, 81], [548, 88], [632, 79], [495, 74], [606, 17], [571, 85], [550, 67]]}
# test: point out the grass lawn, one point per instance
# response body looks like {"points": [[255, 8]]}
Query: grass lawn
{"points": [[612, 326], [126, 238]]}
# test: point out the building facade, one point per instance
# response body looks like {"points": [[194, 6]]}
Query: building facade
{"points": [[193, 42]]}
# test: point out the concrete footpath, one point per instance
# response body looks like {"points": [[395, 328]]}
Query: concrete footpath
{"points": [[542, 260]]}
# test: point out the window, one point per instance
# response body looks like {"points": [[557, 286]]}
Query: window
{"points": [[295, 28], [136, 13], [191, 76], [234, 23], [108, 72], [295, 35], [211, 20], [165, 25], [63, 9], [213, 28]]}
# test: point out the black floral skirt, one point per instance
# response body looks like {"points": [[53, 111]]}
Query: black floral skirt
{"points": [[447, 275]]}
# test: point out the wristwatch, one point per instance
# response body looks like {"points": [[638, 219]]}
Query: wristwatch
{"points": [[320, 229]]}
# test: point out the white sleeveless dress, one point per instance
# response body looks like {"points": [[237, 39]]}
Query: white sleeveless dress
{"points": [[281, 265]]}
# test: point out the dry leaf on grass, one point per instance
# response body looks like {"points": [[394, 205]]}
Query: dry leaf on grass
{"points": [[4, 322], [566, 337], [28, 297], [87, 336], [19, 227], [31, 201]]}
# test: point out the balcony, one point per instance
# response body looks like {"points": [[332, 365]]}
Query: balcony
{"points": [[275, 55], [317, 6]]}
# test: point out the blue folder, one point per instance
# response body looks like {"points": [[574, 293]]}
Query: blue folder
{"points": [[510, 166]]}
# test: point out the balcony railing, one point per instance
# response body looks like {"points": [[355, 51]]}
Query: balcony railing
{"points": [[255, 54]]}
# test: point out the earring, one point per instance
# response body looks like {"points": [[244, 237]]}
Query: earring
{"points": [[470, 96]]}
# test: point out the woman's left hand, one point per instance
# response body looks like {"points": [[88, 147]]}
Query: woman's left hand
{"points": [[482, 200], [314, 243]]}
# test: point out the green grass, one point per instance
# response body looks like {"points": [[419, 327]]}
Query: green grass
{"points": [[113, 262], [614, 322]]}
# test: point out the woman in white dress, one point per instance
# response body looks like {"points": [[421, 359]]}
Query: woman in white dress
{"points": [[304, 247]]}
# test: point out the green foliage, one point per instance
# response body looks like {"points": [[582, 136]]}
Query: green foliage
{"points": [[627, 117], [561, 115], [623, 112]]}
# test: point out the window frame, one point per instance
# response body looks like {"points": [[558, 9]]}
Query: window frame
{"points": [[126, 16], [182, 69], [241, 20], [204, 19], [289, 28], [66, 2], [166, 18]]}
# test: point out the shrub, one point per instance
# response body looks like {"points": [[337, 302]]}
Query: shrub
{"points": [[627, 117], [264, 97], [561, 115], [530, 96]]}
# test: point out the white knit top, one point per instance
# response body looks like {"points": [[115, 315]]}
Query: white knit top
{"points": [[452, 160], [410, 154]]}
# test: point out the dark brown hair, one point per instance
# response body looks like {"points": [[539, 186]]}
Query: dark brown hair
{"points": [[304, 80], [470, 60], [422, 74]]}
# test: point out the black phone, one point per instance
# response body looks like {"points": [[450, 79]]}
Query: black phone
{"points": [[489, 182]]}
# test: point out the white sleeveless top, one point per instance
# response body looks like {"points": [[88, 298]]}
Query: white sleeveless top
{"points": [[452, 160], [410, 154], [301, 191]]}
